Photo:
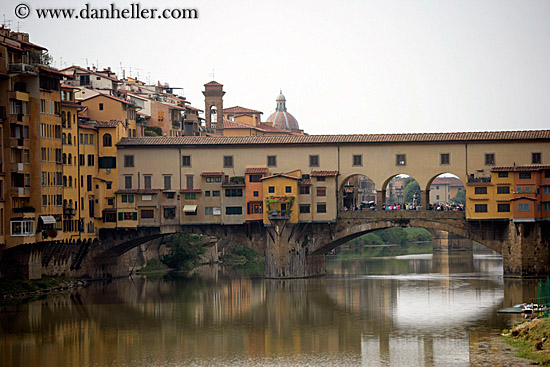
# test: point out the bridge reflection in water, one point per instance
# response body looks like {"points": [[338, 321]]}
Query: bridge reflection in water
{"points": [[408, 311]]}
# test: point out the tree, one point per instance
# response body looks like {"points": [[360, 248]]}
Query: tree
{"points": [[185, 251], [460, 198], [408, 193]]}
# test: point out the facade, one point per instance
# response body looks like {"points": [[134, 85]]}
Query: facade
{"points": [[443, 189]]}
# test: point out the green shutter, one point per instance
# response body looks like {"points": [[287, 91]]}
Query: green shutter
{"points": [[131, 198], [120, 216], [134, 216]]}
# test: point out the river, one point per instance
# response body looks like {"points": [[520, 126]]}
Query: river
{"points": [[407, 311]]}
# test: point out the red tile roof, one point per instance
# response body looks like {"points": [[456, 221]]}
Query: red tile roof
{"points": [[83, 126], [137, 191], [112, 97], [51, 71], [193, 108], [280, 175], [255, 170], [239, 109], [524, 197], [228, 124], [233, 184], [527, 168], [451, 181], [304, 182], [11, 46], [323, 173], [68, 86], [212, 174], [71, 104], [112, 123], [539, 135], [213, 83]]}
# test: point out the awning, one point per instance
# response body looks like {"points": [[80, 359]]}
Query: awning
{"points": [[189, 208], [47, 219]]}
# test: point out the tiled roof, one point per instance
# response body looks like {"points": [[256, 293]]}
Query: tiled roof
{"points": [[271, 129], [451, 181], [112, 123], [113, 98], [11, 46], [68, 86], [239, 109], [187, 191], [213, 83], [228, 124], [529, 168], [193, 108], [341, 139], [212, 174], [137, 191], [323, 173], [304, 182], [83, 126], [233, 184], [256, 170], [279, 175], [523, 197], [71, 104], [51, 71]]}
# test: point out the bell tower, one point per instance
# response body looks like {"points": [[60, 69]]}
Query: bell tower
{"points": [[213, 106]]}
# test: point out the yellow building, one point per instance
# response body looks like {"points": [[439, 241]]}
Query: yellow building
{"points": [[489, 198], [280, 192], [104, 107]]}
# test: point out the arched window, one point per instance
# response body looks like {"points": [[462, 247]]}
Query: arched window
{"points": [[63, 138], [64, 181], [107, 140], [70, 159], [70, 181], [69, 139], [70, 203], [69, 123], [213, 114], [69, 117], [64, 203], [63, 119], [64, 158]]}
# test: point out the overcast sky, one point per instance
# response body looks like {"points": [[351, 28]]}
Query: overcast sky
{"points": [[350, 66]]}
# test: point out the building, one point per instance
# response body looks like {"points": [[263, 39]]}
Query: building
{"points": [[443, 189], [283, 119]]}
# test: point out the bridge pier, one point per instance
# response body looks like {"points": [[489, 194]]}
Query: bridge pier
{"points": [[525, 251], [449, 242], [287, 252]]}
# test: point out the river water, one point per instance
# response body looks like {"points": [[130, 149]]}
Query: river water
{"points": [[407, 311]]}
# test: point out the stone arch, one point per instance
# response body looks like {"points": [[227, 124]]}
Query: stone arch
{"points": [[356, 190], [443, 179], [393, 189]]}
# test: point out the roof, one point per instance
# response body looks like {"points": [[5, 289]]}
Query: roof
{"points": [[71, 104], [112, 123], [228, 124], [481, 136], [213, 83], [111, 97], [250, 170], [137, 191], [83, 126], [524, 197], [51, 71], [68, 86], [30, 44], [323, 173], [451, 181], [193, 108], [187, 191], [212, 174], [11, 46], [304, 182], [239, 109], [528, 168], [280, 175]]}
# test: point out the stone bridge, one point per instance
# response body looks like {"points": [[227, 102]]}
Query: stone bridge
{"points": [[291, 250]]}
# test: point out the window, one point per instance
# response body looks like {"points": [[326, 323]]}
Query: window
{"points": [[523, 207], [536, 158], [233, 192], [321, 207], [546, 207], [288, 189], [128, 198], [213, 179], [321, 191], [503, 208], [481, 208], [215, 193], [147, 213], [503, 174], [254, 207], [437, 197], [22, 227], [314, 161], [190, 196], [445, 158], [81, 160], [525, 175], [101, 106], [256, 193], [167, 182], [233, 210], [147, 181], [400, 159], [128, 161], [254, 178], [186, 161], [89, 183], [127, 182], [503, 189], [91, 160], [107, 140], [304, 190], [480, 190], [170, 212], [216, 210], [489, 159], [546, 190], [321, 179], [357, 160], [527, 188], [547, 173], [272, 161], [228, 161], [304, 208], [271, 189], [170, 195], [207, 194], [208, 210]]}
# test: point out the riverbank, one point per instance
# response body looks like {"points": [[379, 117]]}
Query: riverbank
{"points": [[18, 291], [532, 338]]}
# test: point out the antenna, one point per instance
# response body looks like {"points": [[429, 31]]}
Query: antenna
{"points": [[212, 74]]}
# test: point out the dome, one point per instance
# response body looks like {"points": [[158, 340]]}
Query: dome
{"points": [[281, 118]]}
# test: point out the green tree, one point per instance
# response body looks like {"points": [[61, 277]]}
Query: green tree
{"points": [[394, 235], [460, 198], [185, 251], [408, 193], [153, 131]]}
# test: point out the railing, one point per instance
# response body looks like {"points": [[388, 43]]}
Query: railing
{"points": [[25, 209], [479, 179], [21, 68], [401, 214]]}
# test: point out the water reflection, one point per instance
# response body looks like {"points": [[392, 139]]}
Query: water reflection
{"points": [[414, 310]]}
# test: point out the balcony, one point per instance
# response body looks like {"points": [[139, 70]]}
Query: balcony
{"points": [[25, 209], [19, 96], [22, 68], [69, 212]]}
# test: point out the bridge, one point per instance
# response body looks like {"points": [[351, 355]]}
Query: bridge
{"points": [[283, 197]]}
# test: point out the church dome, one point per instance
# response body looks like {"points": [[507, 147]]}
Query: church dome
{"points": [[281, 118]]}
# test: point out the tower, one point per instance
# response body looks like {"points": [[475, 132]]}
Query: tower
{"points": [[213, 106]]}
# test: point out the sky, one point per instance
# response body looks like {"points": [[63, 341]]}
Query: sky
{"points": [[345, 67]]}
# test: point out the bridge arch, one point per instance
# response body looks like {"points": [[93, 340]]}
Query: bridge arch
{"points": [[357, 190]]}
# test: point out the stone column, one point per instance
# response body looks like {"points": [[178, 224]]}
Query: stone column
{"points": [[380, 199], [449, 242], [286, 254], [525, 251], [424, 199]]}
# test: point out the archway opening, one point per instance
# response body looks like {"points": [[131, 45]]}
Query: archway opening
{"points": [[358, 192], [402, 192], [447, 192]]}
